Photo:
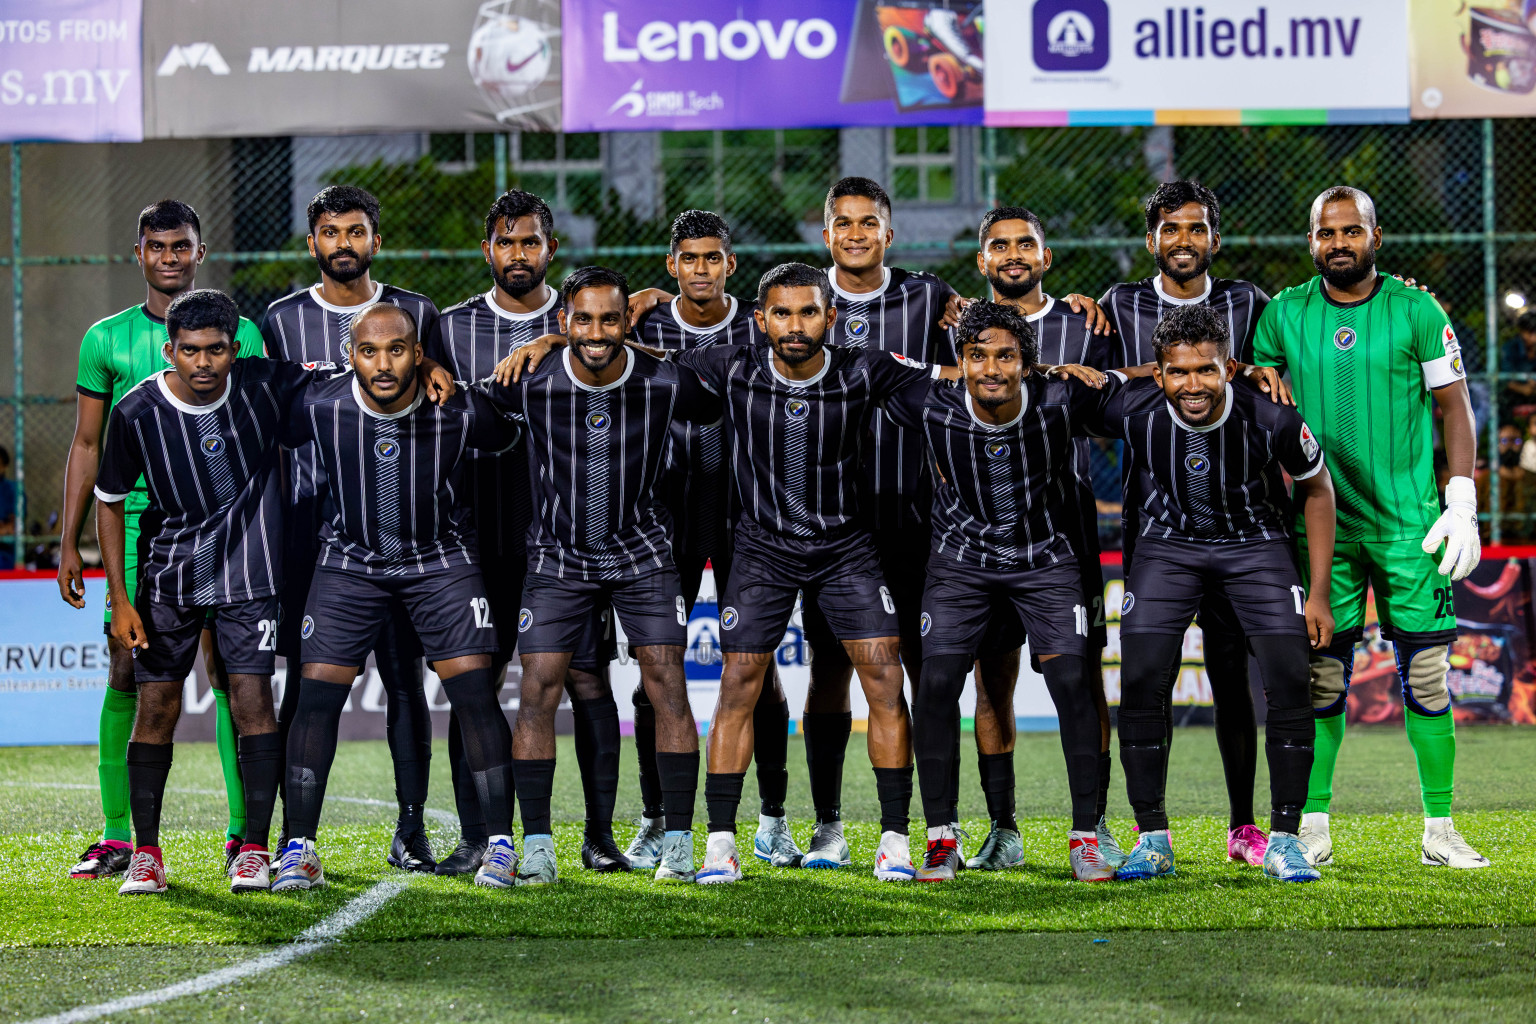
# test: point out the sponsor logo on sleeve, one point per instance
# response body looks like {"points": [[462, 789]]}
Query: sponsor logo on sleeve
{"points": [[1309, 445]]}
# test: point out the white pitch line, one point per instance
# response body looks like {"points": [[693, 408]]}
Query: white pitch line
{"points": [[311, 940], [315, 937]]}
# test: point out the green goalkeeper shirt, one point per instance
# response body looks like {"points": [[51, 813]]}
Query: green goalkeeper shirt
{"points": [[120, 351], [1362, 374]]}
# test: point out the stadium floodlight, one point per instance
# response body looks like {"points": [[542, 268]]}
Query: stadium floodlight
{"points": [[1514, 300], [514, 56]]}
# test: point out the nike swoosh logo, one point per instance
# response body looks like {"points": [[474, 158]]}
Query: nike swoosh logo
{"points": [[511, 67]]}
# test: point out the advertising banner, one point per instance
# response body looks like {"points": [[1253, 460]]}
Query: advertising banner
{"points": [[69, 71], [53, 667], [643, 65], [1113, 62], [1473, 59], [294, 67]]}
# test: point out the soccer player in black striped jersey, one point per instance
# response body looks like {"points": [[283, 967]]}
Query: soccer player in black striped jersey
{"points": [[797, 415], [885, 309], [909, 314], [697, 491], [203, 437], [470, 339], [395, 532], [312, 325], [597, 417], [1014, 259], [1005, 516], [1183, 220], [1207, 457]]}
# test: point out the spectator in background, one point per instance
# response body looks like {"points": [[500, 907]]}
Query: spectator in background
{"points": [[1473, 353], [1517, 487], [1519, 356], [7, 512]]}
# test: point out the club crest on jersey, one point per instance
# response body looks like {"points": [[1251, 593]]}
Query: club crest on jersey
{"points": [[307, 628], [524, 620], [797, 408], [924, 624], [997, 450], [387, 449], [1197, 464], [1127, 603], [856, 329], [728, 618], [1344, 339], [598, 421], [1309, 445], [213, 445]]}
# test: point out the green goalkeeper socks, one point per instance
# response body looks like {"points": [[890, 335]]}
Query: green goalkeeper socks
{"points": [[116, 726], [1325, 751], [234, 790], [1433, 738]]}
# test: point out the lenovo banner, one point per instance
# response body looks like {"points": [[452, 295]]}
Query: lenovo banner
{"points": [[69, 71], [1115, 62], [219, 68], [642, 65]]}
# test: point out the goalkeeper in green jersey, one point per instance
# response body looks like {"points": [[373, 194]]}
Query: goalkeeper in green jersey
{"points": [[1370, 358], [115, 355]]}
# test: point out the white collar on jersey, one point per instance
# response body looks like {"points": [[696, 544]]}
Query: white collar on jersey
{"points": [[1157, 286], [196, 410], [378, 293], [1226, 410], [629, 366], [549, 304], [970, 407], [826, 364], [730, 314], [357, 395], [1049, 303], [847, 296]]}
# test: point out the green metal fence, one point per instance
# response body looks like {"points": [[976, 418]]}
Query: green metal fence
{"points": [[1456, 199]]}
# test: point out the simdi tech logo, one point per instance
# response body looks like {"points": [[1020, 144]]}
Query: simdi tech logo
{"points": [[1071, 35]]}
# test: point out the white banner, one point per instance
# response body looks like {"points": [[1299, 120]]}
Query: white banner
{"points": [[1071, 62]]}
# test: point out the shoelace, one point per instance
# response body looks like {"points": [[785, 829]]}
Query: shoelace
{"points": [[248, 866], [938, 853], [499, 857], [143, 869], [1090, 854], [1293, 857], [1458, 843], [98, 851]]}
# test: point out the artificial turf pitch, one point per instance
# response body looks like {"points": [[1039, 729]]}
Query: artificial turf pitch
{"points": [[1380, 938]]}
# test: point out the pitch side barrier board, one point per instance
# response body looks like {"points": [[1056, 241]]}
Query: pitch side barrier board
{"points": [[53, 663]]}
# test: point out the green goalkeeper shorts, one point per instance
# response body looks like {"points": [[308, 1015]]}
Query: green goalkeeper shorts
{"points": [[1413, 601]]}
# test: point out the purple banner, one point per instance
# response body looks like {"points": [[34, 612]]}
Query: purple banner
{"points": [[698, 64], [69, 71]]}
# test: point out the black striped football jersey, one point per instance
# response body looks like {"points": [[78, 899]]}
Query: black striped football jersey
{"points": [[697, 482], [1220, 483], [594, 462], [902, 318], [392, 509], [215, 518], [797, 448], [470, 339]]}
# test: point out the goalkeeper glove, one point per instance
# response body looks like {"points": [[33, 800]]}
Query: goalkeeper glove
{"points": [[1457, 527]]}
